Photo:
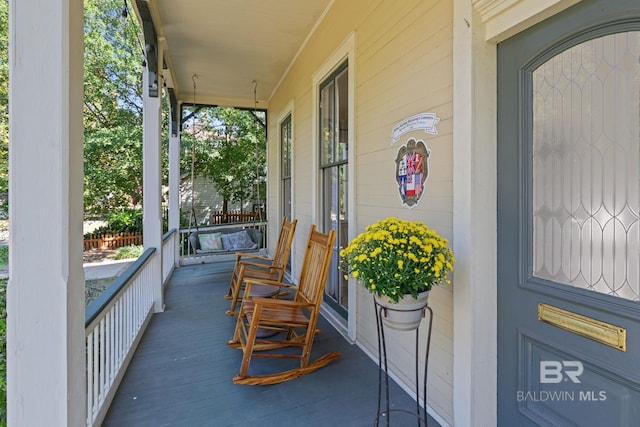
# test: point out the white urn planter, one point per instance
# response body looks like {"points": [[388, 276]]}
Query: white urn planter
{"points": [[406, 314]]}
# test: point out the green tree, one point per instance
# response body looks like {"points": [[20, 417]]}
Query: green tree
{"points": [[112, 104], [4, 188], [112, 66], [113, 169], [230, 149], [112, 109], [4, 102]]}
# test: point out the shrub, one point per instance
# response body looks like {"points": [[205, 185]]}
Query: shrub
{"points": [[127, 220], [127, 252], [4, 255], [3, 352], [124, 221]]}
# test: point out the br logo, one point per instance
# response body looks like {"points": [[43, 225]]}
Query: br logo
{"points": [[553, 371]]}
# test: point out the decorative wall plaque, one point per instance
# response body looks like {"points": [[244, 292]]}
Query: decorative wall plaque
{"points": [[424, 121], [412, 171]]}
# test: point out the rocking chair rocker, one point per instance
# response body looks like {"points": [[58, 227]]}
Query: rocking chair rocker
{"points": [[296, 318], [261, 267]]}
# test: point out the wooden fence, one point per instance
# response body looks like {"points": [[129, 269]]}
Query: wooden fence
{"points": [[118, 240], [112, 241]]}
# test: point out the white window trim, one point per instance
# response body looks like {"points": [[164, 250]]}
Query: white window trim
{"points": [[346, 51], [287, 111]]}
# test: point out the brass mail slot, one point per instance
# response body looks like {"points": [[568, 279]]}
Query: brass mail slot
{"points": [[605, 333]]}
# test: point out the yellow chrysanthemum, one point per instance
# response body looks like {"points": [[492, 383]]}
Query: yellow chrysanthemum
{"points": [[394, 257]]}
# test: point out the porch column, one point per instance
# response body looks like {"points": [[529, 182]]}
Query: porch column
{"points": [[152, 186], [45, 300], [474, 221], [174, 185]]}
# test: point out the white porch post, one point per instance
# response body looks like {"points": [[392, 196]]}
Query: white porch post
{"points": [[174, 186], [152, 185], [45, 301], [474, 238]]}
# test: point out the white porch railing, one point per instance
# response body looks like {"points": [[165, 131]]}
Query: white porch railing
{"points": [[114, 324], [169, 248]]}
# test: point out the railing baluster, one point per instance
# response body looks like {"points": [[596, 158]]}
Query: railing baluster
{"points": [[96, 364], [114, 323], [89, 378], [109, 352], [101, 366]]}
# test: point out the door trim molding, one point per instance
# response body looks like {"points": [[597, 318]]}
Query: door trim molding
{"points": [[474, 221], [504, 18]]}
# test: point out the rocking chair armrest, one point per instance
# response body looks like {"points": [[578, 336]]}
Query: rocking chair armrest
{"points": [[258, 265], [254, 281], [241, 255], [271, 302]]}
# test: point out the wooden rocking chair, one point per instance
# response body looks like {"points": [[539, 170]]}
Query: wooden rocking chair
{"points": [[295, 319], [261, 267]]}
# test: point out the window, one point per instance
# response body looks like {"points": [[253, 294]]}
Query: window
{"points": [[334, 144], [285, 166]]}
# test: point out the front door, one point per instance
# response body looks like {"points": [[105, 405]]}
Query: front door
{"points": [[568, 219]]}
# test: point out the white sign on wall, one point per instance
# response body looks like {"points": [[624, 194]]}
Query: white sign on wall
{"points": [[426, 121]]}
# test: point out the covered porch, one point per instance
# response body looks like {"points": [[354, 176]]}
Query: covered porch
{"points": [[402, 59]]}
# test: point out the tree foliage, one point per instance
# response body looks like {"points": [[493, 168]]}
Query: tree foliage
{"points": [[112, 109], [4, 98], [229, 144], [229, 148], [112, 66], [113, 169]]}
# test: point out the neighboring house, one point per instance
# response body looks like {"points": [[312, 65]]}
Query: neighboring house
{"points": [[206, 200], [529, 115]]}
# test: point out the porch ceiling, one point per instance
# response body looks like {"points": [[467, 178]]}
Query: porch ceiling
{"points": [[229, 44]]}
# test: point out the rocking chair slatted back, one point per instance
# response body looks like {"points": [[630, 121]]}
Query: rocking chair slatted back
{"points": [[314, 271], [283, 247], [260, 267], [295, 319]]}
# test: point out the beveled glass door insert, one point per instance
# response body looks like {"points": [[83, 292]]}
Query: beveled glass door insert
{"points": [[586, 166]]}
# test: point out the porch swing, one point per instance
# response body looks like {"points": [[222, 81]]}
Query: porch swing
{"points": [[232, 239]]}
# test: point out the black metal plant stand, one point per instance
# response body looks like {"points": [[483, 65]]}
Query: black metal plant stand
{"points": [[381, 312]]}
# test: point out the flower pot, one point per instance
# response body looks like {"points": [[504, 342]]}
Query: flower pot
{"points": [[406, 314]]}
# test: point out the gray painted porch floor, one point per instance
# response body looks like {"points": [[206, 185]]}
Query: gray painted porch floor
{"points": [[181, 372]]}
